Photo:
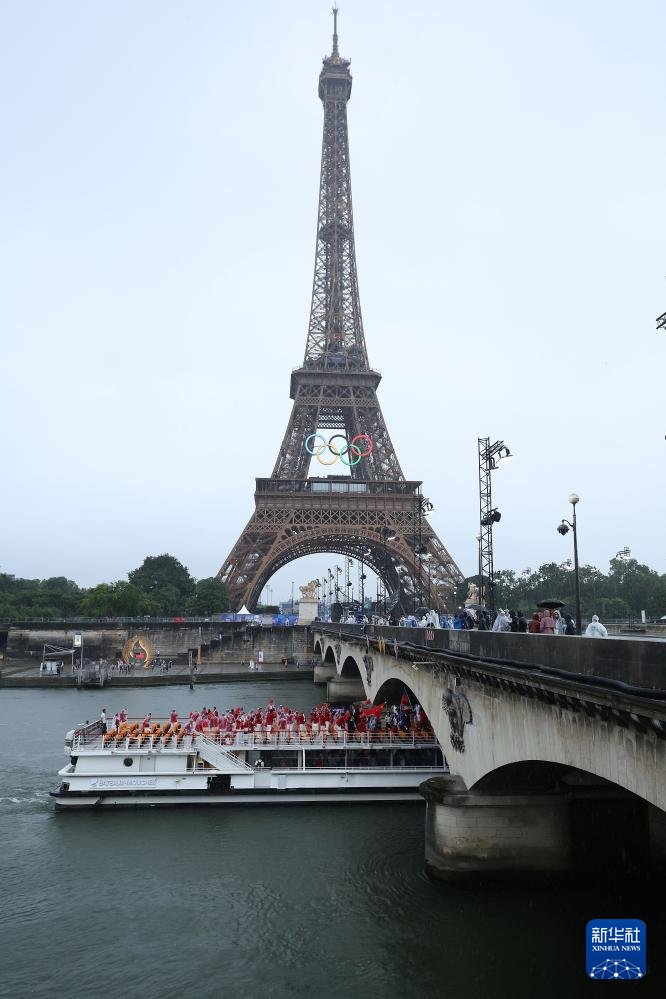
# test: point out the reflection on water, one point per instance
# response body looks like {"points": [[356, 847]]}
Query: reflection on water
{"points": [[252, 901]]}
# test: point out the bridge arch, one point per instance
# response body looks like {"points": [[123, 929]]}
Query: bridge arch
{"points": [[360, 544], [329, 656], [391, 691], [351, 669], [317, 648]]}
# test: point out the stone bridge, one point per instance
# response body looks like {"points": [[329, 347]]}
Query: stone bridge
{"points": [[556, 746]]}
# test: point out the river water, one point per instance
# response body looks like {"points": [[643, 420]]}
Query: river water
{"points": [[299, 901]]}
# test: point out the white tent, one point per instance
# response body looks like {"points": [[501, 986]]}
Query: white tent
{"points": [[244, 610]]}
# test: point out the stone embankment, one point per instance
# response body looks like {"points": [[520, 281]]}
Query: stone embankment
{"points": [[222, 652], [231, 673]]}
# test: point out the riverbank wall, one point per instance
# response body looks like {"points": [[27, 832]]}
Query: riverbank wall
{"points": [[216, 642]]}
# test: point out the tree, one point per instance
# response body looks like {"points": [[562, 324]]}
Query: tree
{"points": [[163, 573], [210, 597], [119, 599]]}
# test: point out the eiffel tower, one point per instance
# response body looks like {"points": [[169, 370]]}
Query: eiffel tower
{"points": [[371, 512]]}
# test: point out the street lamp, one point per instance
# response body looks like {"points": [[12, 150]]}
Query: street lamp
{"points": [[387, 535], [564, 529], [425, 508], [425, 556], [362, 577], [490, 458]]}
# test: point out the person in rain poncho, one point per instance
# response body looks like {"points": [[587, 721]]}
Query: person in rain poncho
{"points": [[595, 628], [502, 622]]}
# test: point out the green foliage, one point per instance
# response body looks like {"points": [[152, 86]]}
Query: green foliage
{"points": [[38, 598], [163, 574], [117, 600], [161, 586], [210, 597], [625, 591]]}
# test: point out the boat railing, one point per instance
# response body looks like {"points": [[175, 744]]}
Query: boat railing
{"points": [[267, 739], [84, 740]]}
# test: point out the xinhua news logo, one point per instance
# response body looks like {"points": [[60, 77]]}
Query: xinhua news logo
{"points": [[615, 948]]}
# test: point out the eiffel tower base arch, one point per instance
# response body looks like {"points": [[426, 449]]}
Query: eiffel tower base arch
{"points": [[345, 517]]}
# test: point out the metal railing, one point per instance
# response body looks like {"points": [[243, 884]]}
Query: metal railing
{"points": [[322, 740]]}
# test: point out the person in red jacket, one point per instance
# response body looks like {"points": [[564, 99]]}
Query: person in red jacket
{"points": [[534, 626]]}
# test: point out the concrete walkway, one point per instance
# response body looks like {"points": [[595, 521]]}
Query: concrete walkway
{"points": [[29, 676]]}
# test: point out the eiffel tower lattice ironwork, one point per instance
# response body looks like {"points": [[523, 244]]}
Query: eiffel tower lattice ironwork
{"points": [[372, 513]]}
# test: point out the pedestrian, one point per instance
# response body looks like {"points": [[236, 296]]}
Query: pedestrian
{"points": [[547, 626], [522, 622], [560, 623], [502, 622], [102, 717], [569, 626], [534, 626], [595, 628]]}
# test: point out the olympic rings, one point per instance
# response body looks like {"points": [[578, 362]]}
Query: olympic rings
{"points": [[352, 447], [305, 444], [338, 451]]}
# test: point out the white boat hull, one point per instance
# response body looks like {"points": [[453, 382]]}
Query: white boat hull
{"points": [[364, 796]]}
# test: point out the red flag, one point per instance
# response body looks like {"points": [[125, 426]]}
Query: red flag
{"points": [[376, 711]]}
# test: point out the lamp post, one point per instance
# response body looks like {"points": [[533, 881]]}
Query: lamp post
{"points": [[425, 555], [564, 529], [424, 509], [363, 577], [490, 456], [387, 535]]}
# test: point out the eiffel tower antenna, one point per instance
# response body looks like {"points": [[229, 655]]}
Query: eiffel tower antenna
{"points": [[335, 13], [369, 512]]}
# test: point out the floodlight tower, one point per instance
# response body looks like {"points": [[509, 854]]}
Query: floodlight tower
{"points": [[490, 456]]}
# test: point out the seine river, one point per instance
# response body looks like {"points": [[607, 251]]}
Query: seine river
{"points": [[312, 901]]}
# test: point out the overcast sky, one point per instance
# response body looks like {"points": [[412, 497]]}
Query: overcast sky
{"points": [[159, 173]]}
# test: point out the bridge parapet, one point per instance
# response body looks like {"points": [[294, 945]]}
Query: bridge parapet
{"points": [[641, 662]]}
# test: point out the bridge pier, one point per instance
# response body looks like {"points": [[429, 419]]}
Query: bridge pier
{"points": [[324, 672], [344, 688], [472, 833]]}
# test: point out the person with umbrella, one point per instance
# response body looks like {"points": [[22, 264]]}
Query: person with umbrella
{"points": [[547, 626]]}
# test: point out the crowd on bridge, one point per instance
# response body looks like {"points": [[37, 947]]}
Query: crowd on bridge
{"points": [[542, 622]]}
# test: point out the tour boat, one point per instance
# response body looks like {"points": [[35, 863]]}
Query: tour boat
{"points": [[168, 765]]}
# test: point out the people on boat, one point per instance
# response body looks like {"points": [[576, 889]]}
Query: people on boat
{"points": [[277, 723]]}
